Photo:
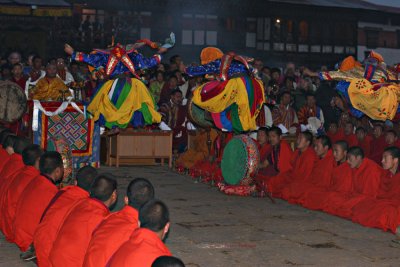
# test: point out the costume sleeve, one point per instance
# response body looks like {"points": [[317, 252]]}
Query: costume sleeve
{"points": [[94, 59], [142, 62], [210, 68]]}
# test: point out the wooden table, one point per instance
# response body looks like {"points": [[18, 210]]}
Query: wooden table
{"points": [[132, 147]]}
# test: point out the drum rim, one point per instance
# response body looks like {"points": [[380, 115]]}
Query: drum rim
{"points": [[22, 94]]}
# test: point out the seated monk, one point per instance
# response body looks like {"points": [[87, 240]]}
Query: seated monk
{"points": [[319, 178], [14, 145], [198, 149], [341, 181], [278, 160], [50, 87], [366, 176], [146, 243], [4, 155], [364, 141], [35, 198], [302, 163], [349, 136], [383, 211], [55, 213], [174, 115], [378, 143], [335, 133], [74, 236], [13, 190], [118, 226], [167, 261], [391, 139]]}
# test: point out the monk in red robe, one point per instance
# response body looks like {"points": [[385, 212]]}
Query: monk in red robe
{"points": [[366, 176], [146, 243], [364, 141], [302, 161], [335, 133], [14, 145], [58, 209], [349, 135], [279, 151], [74, 236], [13, 190], [320, 176], [383, 211], [118, 226], [4, 154], [35, 198], [341, 181], [391, 139], [378, 143]]}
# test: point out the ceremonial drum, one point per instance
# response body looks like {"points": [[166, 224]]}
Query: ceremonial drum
{"points": [[240, 160], [12, 102], [61, 145], [199, 116]]}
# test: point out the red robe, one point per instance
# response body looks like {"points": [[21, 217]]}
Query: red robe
{"points": [[59, 208], [366, 181], [351, 139], [14, 165], [4, 157], [377, 145], [366, 146], [31, 205], [141, 250], [110, 235], [339, 135], [72, 240], [10, 198], [382, 211], [319, 178], [341, 182], [302, 163]]}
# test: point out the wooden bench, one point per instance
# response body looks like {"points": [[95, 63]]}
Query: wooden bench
{"points": [[132, 147]]}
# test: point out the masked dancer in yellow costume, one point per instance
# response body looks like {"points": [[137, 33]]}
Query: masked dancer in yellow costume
{"points": [[234, 97], [371, 88], [122, 100]]}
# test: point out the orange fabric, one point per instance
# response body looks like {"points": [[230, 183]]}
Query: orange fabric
{"points": [[72, 240], [33, 201], [349, 63], [366, 180], [302, 163], [110, 235], [142, 248], [319, 178], [210, 54], [4, 157], [10, 198], [47, 230]]}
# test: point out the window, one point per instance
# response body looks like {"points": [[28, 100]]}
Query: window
{"points": [[372, 38], [199, 29]]}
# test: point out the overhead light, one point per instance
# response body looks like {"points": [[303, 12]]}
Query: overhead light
{"points": [[278, 21]]}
